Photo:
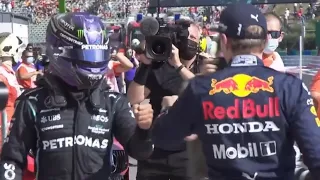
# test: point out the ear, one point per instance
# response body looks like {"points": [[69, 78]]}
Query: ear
{"points": [[281, 36], [223, 40]]}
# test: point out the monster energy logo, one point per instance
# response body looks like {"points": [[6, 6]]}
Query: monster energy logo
{"points": [[81, 33]]}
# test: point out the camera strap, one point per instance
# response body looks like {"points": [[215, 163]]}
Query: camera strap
{"points": [[246, 60]]}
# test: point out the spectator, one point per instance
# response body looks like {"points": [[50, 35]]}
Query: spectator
{"points": [[28, 48], [300, 13], [286, 16], [295, 9], [118, 64], [26, 72], [129, 75], [270, 57]]}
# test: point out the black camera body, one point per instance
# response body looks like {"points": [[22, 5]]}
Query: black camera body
{"points": [[158, 47], [4, 95]]}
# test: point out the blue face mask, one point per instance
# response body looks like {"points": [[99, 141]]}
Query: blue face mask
{"points": [[271, 46], [30, 60]]}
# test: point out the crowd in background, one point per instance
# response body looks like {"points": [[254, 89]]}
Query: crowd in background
{"points": [[38, 10], [6, 5]]}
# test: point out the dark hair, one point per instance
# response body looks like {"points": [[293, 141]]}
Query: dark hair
{"points": [[273, 15], [24, 53], [29, 44]]}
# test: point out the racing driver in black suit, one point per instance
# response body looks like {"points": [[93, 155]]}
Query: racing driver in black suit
{"points": [[70, 119]]}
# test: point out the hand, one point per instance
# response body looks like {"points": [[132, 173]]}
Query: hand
{"points": [[168, 101], [175, 59], [207, 66], [133, 53], [142, 58], [39, 73], [144, 115], [192, 137]]}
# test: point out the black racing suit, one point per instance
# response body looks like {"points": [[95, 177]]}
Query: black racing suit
{"points": [[70, 133]]}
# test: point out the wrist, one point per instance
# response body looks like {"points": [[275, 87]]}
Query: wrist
{"points": [[179, 68], [143, 133], [164, 110], [176, 66]]}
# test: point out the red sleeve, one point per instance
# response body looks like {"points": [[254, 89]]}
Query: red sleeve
{"points": [[115, 65]]}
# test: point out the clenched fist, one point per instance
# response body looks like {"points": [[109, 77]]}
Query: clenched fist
{"points": [[144, 115], [168, 101], [208, 65]]}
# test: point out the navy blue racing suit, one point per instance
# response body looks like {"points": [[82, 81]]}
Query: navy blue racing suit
{"points": [[248, 117]]}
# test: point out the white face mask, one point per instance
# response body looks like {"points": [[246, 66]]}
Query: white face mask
{"points": [[271, 46], [30, 60]]}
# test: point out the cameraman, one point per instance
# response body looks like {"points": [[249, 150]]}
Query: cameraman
{"points": [[247, 115], [157, 80]]}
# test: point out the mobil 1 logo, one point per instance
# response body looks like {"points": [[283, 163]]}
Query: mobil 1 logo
{"points": [[240, 151]]}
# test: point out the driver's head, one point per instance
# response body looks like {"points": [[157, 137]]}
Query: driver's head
{"points": [[245, 31]]}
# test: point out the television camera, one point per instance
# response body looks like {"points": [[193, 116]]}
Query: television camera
{"points": [[161, 35], [4, 92]]}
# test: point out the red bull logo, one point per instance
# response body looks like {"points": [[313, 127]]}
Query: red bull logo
{"points": [[227, 86], [314, 112], [242, 109], [242, 85]]}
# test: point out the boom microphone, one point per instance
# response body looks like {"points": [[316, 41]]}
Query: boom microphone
{"points": [[149, 26]]}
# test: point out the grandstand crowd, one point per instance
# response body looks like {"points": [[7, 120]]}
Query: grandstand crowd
{"points": [[39, 10]]}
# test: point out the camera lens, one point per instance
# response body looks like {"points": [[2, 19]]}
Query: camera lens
{"points": [[158, 47]]}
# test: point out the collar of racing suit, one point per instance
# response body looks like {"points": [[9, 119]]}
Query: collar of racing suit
{"points": [[59, 96], [246, 60]]}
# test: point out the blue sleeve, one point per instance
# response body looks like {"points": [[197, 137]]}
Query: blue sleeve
{"points": [[38, 66], [171, 128], [305, 126]]}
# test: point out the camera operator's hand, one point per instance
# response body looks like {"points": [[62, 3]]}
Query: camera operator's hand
{"points": [[144, 115], [38, 73], [168, 101], [143, 59], [175, 59], [208, 64]]}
